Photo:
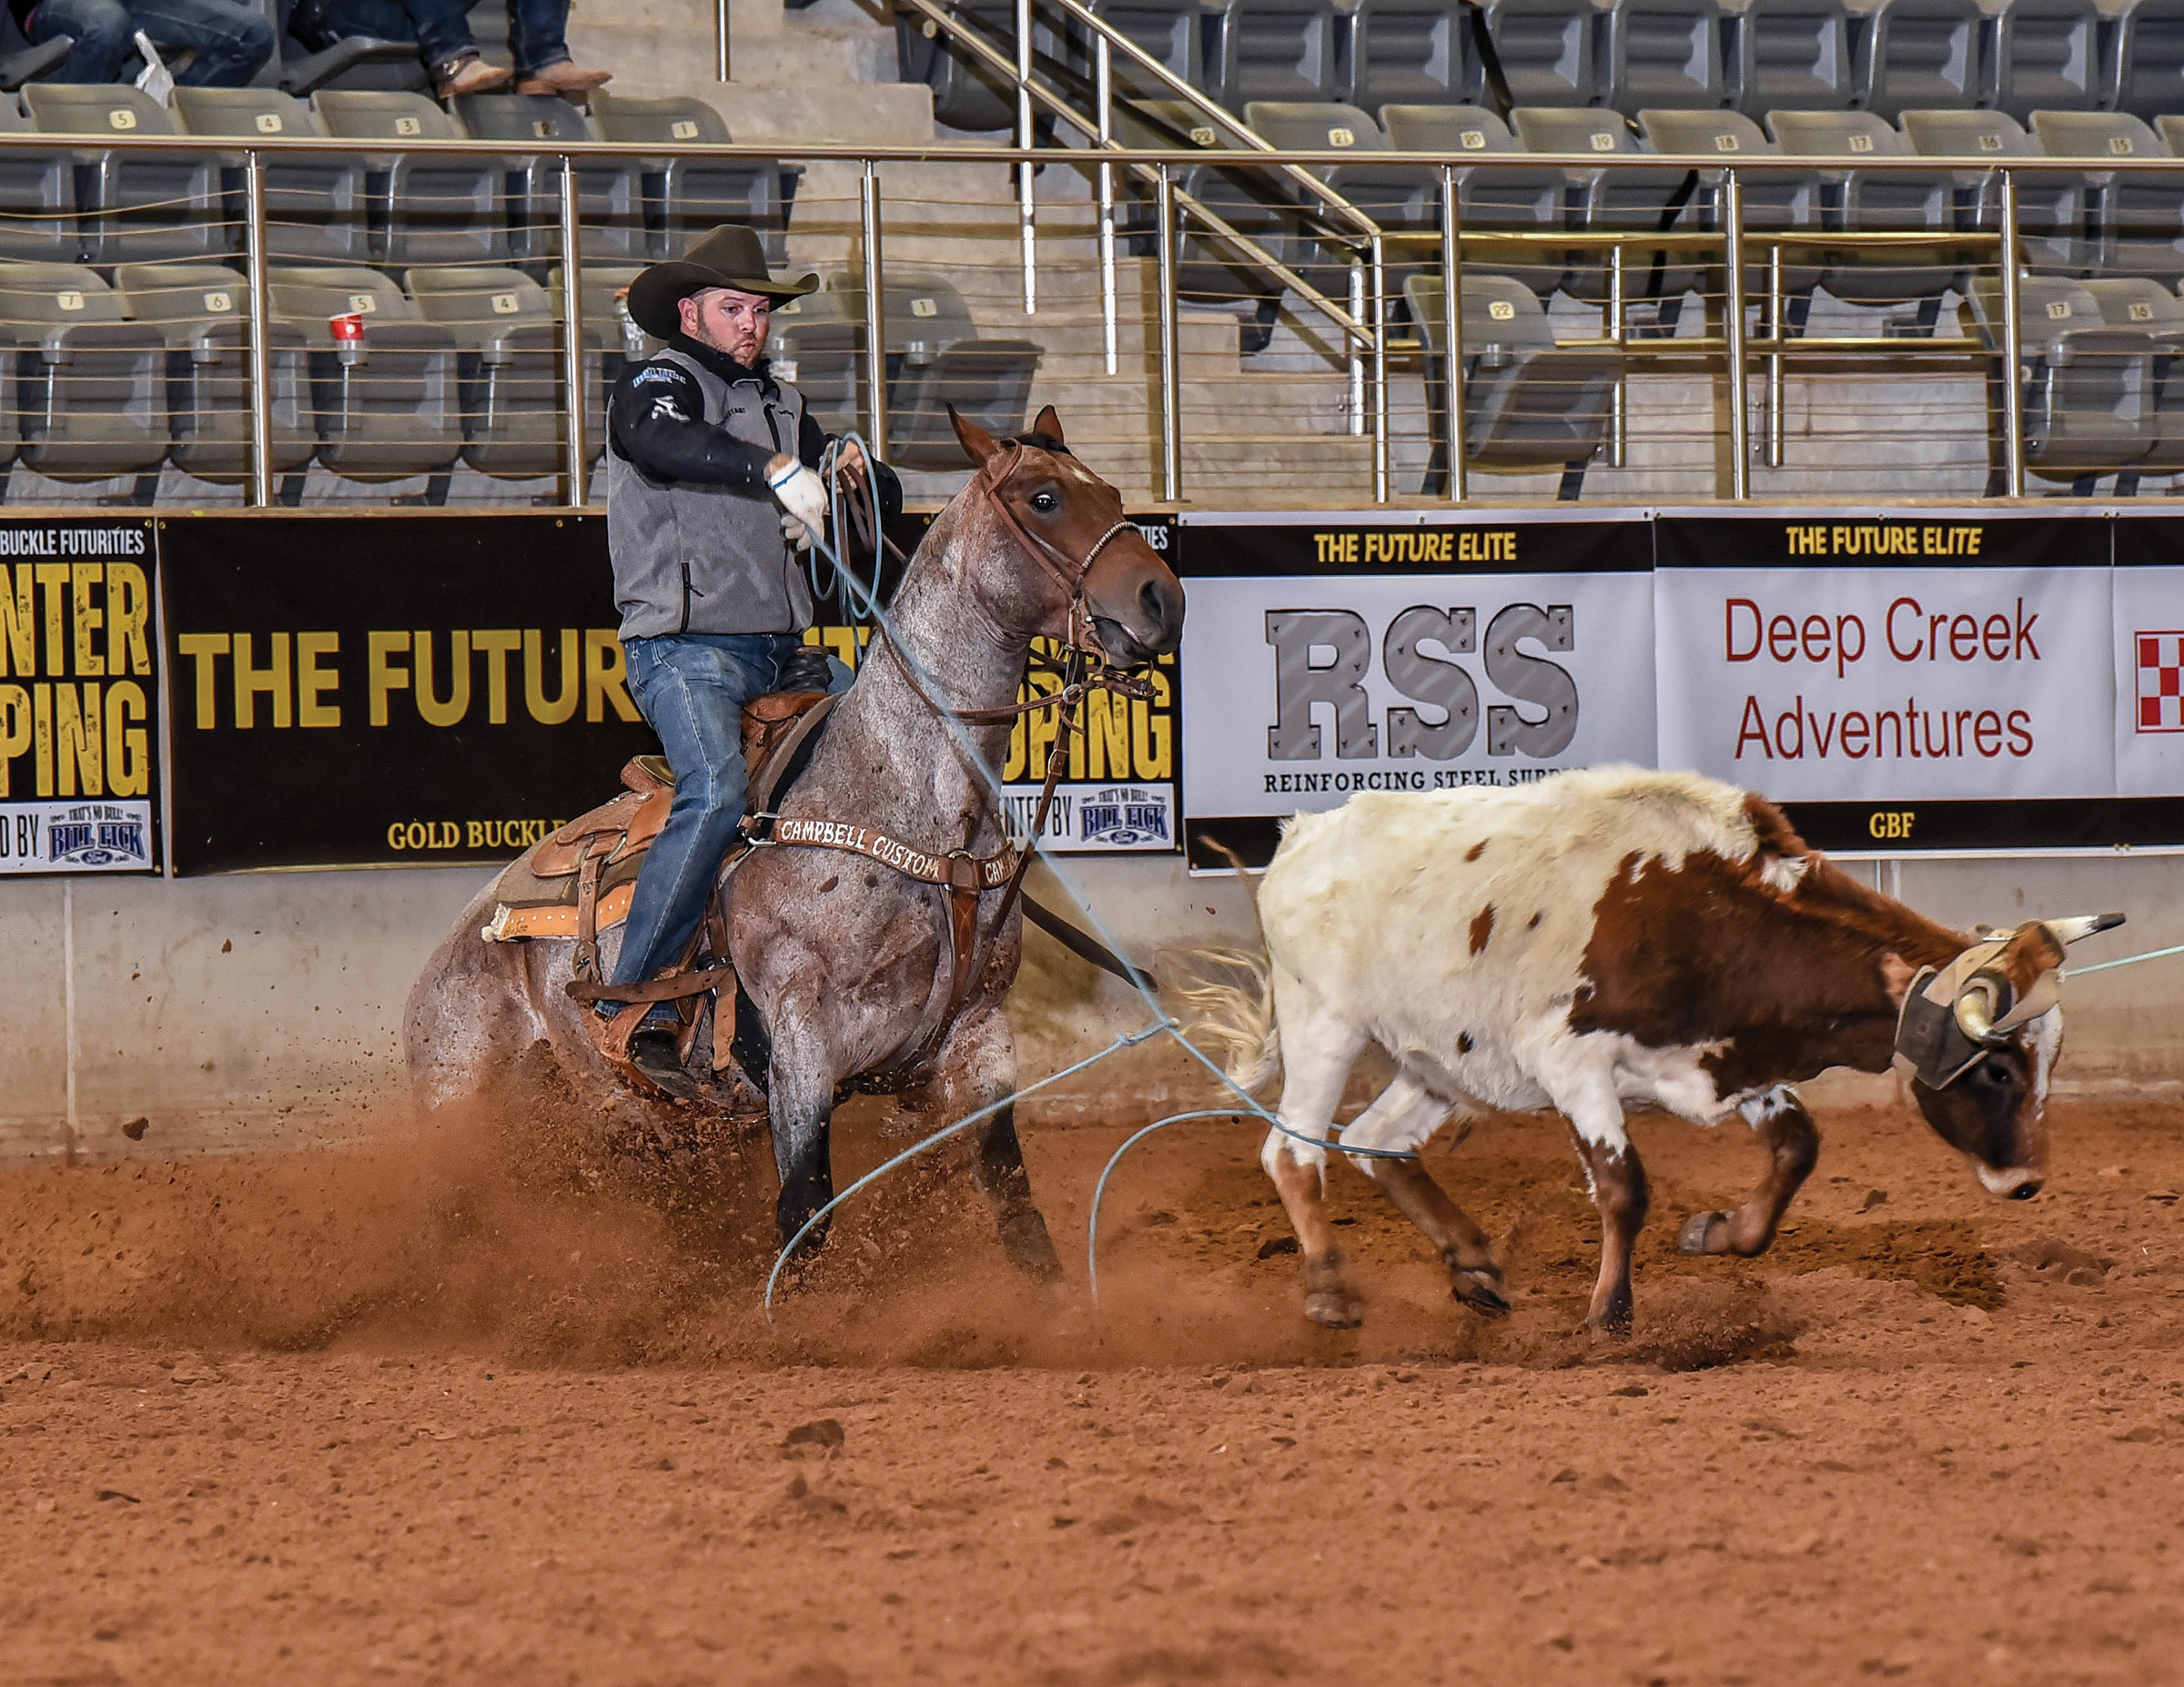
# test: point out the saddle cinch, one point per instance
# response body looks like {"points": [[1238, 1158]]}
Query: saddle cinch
{"points": [[579, 882]]}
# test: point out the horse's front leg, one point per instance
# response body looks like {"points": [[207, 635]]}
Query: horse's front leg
{"points": [[977, 1067], [800, 1086]]}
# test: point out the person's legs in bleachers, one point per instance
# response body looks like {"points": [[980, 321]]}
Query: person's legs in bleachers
{"points": [[104, 37], [231, 40], [538, 37]]}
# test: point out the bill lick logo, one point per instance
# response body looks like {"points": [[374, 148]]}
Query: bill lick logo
{"points": [[74, 837], [2160, 681], [1121, 816]]}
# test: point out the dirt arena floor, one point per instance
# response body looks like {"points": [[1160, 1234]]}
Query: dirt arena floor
{"points": [[402, 1413]]}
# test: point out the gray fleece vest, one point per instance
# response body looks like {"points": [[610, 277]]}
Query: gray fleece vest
{"points": [[708, 558]]}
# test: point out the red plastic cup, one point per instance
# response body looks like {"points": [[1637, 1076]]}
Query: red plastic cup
{"points": [[347, 329]]}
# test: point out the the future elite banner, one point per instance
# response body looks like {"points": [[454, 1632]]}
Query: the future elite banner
{"points": [[1326, 656], [80, 687], [364, 691]]}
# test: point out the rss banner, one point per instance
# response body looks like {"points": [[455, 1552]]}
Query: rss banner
{"points": [[1912, 678], [79, 689], [1347, 653], [359, 691]]}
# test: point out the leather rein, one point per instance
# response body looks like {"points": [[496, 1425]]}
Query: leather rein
{"points": [[966, 877]]}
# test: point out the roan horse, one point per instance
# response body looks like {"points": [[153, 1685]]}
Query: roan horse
{"points": [[848, 964]]}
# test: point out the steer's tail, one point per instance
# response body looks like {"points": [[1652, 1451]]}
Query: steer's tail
{"points": [[1237, 1017]]}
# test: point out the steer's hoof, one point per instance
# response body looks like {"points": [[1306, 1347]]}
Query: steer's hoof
{"points": [[1333, 1308], [1706, 1233], [1480, 1289]]}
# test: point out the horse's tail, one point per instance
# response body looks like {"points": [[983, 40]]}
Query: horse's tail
{"points": [[1238, 1018]]}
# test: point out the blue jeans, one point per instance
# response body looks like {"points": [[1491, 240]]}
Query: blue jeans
{"points": [[231, 40], [537, 29], [692, 687]]}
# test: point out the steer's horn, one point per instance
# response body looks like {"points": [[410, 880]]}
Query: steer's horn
{"points": [[2076, 925], [1984, 999]]}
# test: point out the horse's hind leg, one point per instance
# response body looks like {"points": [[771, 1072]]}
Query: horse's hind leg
{"points": [[976, 1068], [1403, 1117]]}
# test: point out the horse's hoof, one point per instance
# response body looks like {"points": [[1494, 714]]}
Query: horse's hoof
{"points": [[1029, 1248], [1482, 1290], [1702, 1236], [1332, 1310]]}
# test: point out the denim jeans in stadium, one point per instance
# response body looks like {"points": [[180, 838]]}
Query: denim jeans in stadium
{"points": [[231, 39], [537, 29], [692, 687]]}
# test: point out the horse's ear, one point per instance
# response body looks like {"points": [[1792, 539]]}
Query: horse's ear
{"points": [[1050, 425], [977, 444]]}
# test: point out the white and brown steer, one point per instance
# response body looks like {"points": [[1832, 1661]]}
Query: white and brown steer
{"points": [[1600, 940]]}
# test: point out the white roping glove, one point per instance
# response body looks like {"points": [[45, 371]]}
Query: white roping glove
{"points": [[793, 533], [803, 495]]}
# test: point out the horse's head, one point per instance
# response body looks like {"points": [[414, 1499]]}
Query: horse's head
{"points": [[1080, 570]]}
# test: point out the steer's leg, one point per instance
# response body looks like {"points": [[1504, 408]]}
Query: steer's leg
{"points": [[1618, 1183], [1403, 1117], [977, 1067], [1317, 1051], [1786, 1130]]}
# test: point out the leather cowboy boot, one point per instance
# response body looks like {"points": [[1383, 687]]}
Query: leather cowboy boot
{"points": [[656, 1051]]}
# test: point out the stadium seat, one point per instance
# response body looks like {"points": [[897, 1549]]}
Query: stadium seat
{"points": [[509, 369], [2134, 225], [2149, 55], [386, 409], [1517, 199], [1789, 56], [1777, 201], [966, 95], [2049, 209], [1548, 50], [20, 61], [421, 209], [301, 66], [313, 206], [1171, 31], [685, 197], [2087, 407], [1622, 201], [37, 199], [936, 359], [1664, 53], [131, 205], [1405, 52], [817, 342], [1274, 50], [1923, 54], [90, 385], [1528, 403], [2147, 307], [531, 183], [2052, 55], [203, 310], [1862, 202]]}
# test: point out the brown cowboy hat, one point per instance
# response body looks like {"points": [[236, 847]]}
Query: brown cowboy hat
{"points": [[731, 255]]}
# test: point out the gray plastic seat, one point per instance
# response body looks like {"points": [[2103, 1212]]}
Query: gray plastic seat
{"points": [[2148, 56], [2049, 209], [531, 183], [1777, 200], [37, 198], [1405, 52], [1864, 202], [1515, 198], [387, 409], [422, 208], [1664, 53], [965, 94], [203, 311], [686, 197], [509, 369], [818, 343], [1789, 55], [2144, 307], [1528, 404], [2086, 399], [1923, 54], [1274, 50], [1618, 202], [1171, 31], [90, 386], [936, 357], [2052, 55], [2135, 223], [313, 206], [131, 205], [1548, 51]]}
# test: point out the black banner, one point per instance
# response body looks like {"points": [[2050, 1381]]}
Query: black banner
{"points": [[355, 689], [1501, 541], [80, 687], [1832, 538]]}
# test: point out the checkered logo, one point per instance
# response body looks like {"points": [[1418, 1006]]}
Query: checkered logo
{"points": [[2160, 681]]}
